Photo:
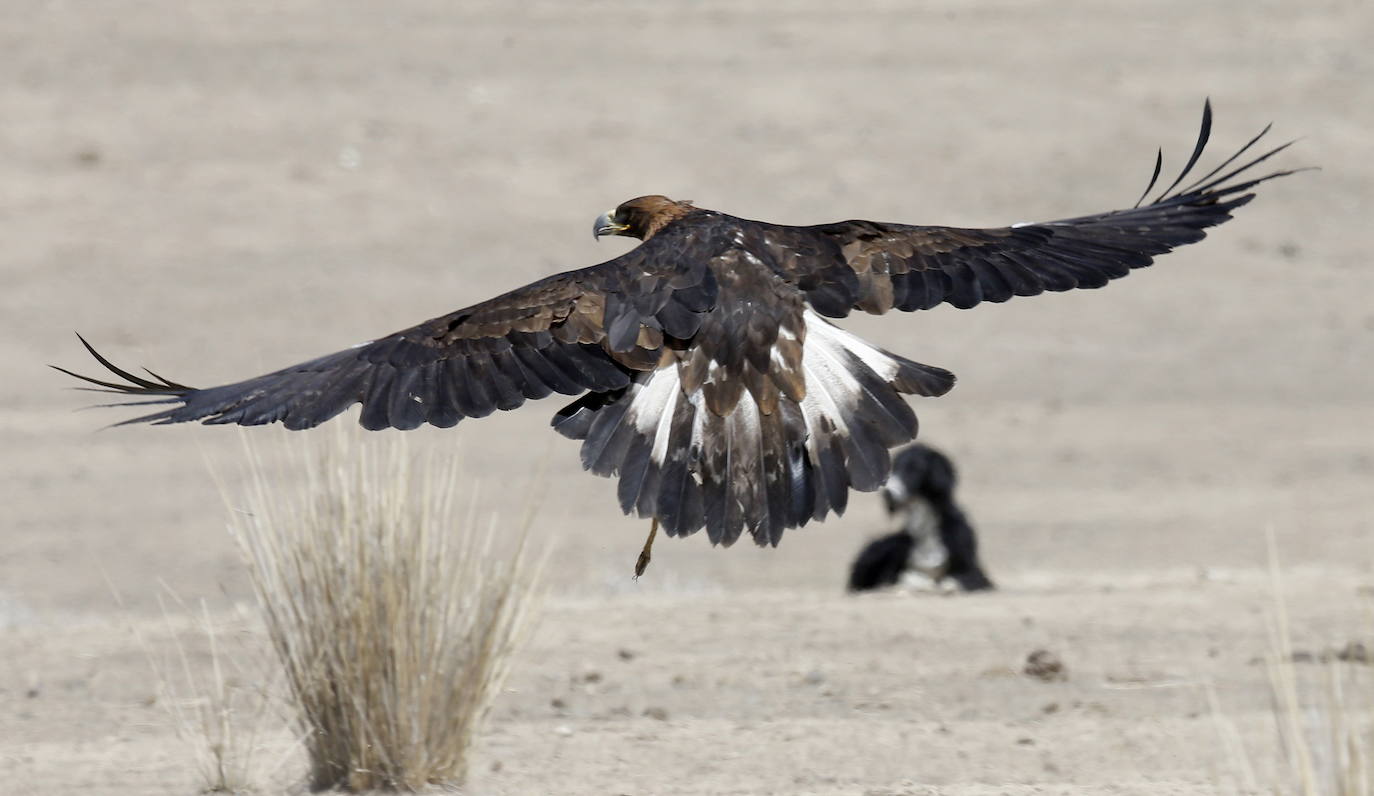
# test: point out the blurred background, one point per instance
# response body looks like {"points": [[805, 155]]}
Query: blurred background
{"points": [[218, 189]]}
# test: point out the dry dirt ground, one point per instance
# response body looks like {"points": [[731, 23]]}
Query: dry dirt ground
{"points": [[215, 189]]}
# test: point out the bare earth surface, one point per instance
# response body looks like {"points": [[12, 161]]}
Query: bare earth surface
{"points": [[216, 189]]}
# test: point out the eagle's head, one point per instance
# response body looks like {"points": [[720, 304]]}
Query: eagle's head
{"points": [[641, 217]]}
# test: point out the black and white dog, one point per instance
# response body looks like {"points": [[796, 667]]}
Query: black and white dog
{"points": [[936, 540]]}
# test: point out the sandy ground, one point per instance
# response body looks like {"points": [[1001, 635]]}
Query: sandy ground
{"points": [[215, 189]]}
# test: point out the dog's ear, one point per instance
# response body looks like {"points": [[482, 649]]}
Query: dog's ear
{"points": [[940, 474], [931, 472]]}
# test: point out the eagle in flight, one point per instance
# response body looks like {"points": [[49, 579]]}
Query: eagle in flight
{"points": [[711, 382]]}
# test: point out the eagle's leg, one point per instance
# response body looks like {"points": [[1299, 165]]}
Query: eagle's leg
{"points": [[644, 557]]}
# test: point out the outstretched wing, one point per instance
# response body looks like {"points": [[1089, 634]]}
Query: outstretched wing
{"points": [[572, 332], [884, 266]]}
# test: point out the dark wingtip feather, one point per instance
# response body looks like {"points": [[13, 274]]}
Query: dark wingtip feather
{"points": [[1218, 182], [1204, 178], [110, 366], [1215, 187], [1204, 134], [161, 391], [1159, 165], [136, 384], [167, 382], [108, 385]]}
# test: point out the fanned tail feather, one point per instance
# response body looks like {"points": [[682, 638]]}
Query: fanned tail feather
{"points": [[751, 470]]}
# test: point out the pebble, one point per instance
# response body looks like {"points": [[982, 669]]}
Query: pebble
{"points": [[1045, 665]]}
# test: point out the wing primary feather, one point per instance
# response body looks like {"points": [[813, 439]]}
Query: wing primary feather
{"points": [[502, 390], [374, 416], [123, 374], [609, 439], [167, 382], [444, 413], [171, 399], [1159, 166], [531, 385], [1202, 136], [1228, 161], [412, 395], [156, 418], [110, 386], [1231, 189], [551, 375]]}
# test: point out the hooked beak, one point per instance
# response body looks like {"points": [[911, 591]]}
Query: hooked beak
{"points": [[605, 226]]}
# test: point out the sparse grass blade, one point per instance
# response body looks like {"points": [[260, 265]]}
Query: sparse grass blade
{"points": [[1325, 741], [220, 714]]}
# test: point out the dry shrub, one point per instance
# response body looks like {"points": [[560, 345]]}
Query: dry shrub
{"points": [[393, 614]]}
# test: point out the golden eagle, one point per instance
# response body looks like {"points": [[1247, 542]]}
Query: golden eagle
{"points": [[711, 382]]}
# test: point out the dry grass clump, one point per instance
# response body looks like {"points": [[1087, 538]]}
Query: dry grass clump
{"points": [[392, 613]]}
